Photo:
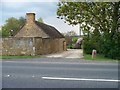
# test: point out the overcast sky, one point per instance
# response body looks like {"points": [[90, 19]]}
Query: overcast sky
{"points": [[43, 8]]}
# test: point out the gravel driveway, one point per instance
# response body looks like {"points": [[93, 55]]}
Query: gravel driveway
{"points": [[70, 53]]}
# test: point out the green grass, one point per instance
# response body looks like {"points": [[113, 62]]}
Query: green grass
{"points": [[98, 58], [18, 57]]}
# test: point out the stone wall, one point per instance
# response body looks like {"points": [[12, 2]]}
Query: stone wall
{"points": [[30, 46], [17, 46], [47, 45]]}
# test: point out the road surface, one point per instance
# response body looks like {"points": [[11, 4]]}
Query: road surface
{"points": [[58, 73]]}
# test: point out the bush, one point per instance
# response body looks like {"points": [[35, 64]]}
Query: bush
{"points": [[74, 40], [70, 46], [110, 48], [87, 46]]}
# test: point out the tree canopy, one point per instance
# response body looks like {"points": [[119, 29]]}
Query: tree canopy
{"points": [[12, 26], [40, 20], [100, 21], [102, 16]]}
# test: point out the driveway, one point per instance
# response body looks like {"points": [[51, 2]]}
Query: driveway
{"points": [[70, 53]]}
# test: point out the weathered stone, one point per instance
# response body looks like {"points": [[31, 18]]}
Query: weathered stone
{"points": [[33, 39], [38, 46]]}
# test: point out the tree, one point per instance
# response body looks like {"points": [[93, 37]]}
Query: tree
{"points": [[89, 14], [40, 20], [98, 20], [21, 21], [12, 26], [0, 33]]}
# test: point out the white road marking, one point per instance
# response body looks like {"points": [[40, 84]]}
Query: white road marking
{"points": [[7, 75], [80, 79], [33, 76]]}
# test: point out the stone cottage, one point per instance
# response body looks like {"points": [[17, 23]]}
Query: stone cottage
{"points": [[34, 28], [34, 38]]}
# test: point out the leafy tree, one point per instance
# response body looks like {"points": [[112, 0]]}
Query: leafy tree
{"points": [[12, 26], [100, 21], [4, 32], [21, 21], [99, 15], [40, 20], [0, 33]]}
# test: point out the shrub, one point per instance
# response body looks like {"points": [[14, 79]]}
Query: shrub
{"points": [[70, 46], [74, 40], [109, 47], [87, 46]]}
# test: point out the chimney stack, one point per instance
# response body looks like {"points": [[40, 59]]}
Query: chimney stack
{"points": [[30, 17]]}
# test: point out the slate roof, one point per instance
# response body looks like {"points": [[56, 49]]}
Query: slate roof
{"points": [[49, 30]]}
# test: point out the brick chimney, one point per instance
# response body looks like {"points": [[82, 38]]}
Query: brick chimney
{"points": [[30, 17]]}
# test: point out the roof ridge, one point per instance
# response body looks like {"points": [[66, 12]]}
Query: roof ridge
{"points": [[50, 30]]}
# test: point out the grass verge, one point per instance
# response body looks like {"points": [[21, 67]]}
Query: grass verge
{"points": [[98, 58], [18, 57]]}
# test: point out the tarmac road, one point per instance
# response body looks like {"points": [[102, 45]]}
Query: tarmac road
{"points": [[58, 73]]}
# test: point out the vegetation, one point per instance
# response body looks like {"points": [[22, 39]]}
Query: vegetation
{"points": [[71, 38], [74, 39], [40, 20], [12, 26], [99, 22], [98, 58], [73, 42], [18, 57]]}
